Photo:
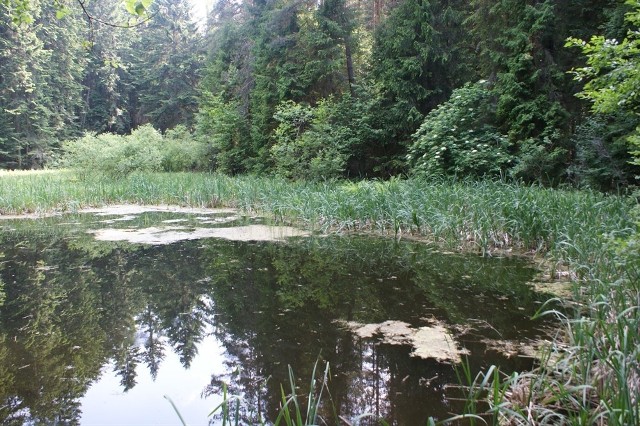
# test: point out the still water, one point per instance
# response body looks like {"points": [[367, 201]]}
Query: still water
{"points": [[100, 321]]}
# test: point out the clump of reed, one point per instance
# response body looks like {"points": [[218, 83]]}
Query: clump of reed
{"points": [[481, 216], [591, 373], [295, 409]]}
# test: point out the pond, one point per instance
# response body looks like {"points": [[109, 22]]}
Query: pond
{"points": [[106, 312]]}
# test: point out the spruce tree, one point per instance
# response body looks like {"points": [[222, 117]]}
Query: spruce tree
{"points": [[166, 66]]}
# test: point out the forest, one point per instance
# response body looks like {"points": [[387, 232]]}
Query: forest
{"points": [[535, 91]]}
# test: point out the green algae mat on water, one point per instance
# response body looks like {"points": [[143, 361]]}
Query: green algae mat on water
{"points": [[107, 311]]}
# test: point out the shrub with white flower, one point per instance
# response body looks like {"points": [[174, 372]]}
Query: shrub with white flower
{"points": [[459, 137]]}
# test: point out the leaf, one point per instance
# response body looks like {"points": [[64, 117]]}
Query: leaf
{"points": [[130, 5], [62, 12], [140, 9]]}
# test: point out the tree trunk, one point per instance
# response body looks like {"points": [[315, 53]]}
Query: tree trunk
{"points": [[350, 76]]}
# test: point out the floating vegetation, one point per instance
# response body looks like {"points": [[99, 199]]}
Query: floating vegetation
{"points": [[171, 234], [432, 341]]}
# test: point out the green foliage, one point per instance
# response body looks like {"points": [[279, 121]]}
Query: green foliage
{"points": [[634, 141], [602, 153], [459, 137], [62, 75], [113, 155], [145, 150], [165, 66], [519, 51], [21, 10], [613, 75], [613, 68], [313, 143], [223, 129], [108, 80], [181, 151], [413, 67], [41, 64], [137, 7], [540, 161], [141, 151]]}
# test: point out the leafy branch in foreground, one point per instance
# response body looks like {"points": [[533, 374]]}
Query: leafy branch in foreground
{"points": [[21, 11], [612, 74]]}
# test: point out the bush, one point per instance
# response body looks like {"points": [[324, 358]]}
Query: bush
{"points": [[181, 152], [310, 142], [458, 138], [145, 150], [141, 151], [88, 154]]}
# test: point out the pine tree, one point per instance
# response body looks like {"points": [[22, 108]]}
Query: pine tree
{"points": [[420, 54], [167, 65], [41, 63], [518, 51], [108, 81]]}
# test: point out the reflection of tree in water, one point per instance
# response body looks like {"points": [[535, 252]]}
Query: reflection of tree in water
{"points": [[243, 378], [280, 311], [51, 343], [74, 306], [153, 353], [172, 280], [276, 305], [71, 307]]}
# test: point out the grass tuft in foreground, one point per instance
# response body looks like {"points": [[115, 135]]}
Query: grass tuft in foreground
{"points": [[591, 373]]}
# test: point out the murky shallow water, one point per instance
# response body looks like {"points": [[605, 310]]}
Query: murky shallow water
{"points": [[97, 332]]}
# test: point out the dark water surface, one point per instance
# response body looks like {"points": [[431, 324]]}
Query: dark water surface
{"points": [[96, 332]]}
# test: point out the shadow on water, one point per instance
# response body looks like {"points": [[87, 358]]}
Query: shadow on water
{"points": [[75, 306]]}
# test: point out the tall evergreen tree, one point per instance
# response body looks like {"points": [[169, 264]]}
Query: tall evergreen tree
{"points": [[223, 115], [41, 66], [108, 81], [166, 66], [420, 54], [518, 50]]}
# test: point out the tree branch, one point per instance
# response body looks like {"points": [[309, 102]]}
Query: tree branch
{"points": [[92, 18]]}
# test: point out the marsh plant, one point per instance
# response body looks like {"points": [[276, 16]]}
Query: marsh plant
{"points": [[295, 408], [484, 216], [591, 372]]}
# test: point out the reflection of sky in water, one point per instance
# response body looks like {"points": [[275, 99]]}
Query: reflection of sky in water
{"points": [[106, 404], [249, 307]]}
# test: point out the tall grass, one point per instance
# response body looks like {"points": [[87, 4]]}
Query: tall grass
{"points": [[592, 373], [293, 410], [482, 216]]}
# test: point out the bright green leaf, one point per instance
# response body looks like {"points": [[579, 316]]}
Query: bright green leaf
{"points": [[140, 9], [130, 5]]}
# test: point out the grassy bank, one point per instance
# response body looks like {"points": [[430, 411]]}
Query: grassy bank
{"points": [[595, 376], [482, 216]]}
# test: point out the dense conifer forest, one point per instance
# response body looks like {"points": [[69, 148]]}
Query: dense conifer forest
{"points": [[334, 88]]}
